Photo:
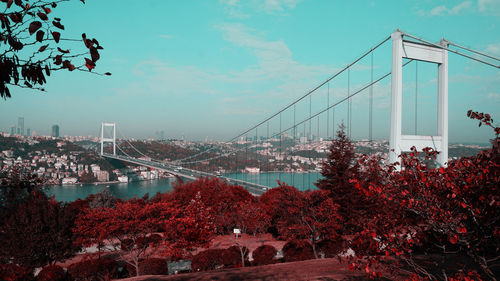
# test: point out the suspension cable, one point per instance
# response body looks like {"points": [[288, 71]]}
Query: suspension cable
{"points": [[474, 51], [299, 99], [450, 50]]}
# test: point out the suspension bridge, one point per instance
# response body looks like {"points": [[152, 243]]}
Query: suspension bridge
{"points": [[274, 143]]}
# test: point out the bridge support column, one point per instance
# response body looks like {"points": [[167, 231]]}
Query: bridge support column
{"points": [[398, 142], [105, 139]]}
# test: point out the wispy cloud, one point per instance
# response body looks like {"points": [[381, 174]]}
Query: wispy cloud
{"points": [[489, 6], [494, 96], [166, 36], [241, 9], [493, 49], [443, 10]]}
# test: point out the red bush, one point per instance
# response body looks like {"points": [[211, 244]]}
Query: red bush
{"points": [[297, 250], [12, 272], [331, 248], [153, 266], [264, 254], [53, 273], [93, 269], [232, 256], [207, 260]]}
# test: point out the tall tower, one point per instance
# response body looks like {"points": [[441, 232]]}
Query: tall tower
{"points": [[20, 125], [55, 131], [105, 139], [420, 52]]}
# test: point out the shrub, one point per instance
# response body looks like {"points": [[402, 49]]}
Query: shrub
{"points": [[264, 254], [12, 272], [232, 256], [331, 248], [53, 273], [153, 266], [207, 260], [297, 250], [93, 269]]}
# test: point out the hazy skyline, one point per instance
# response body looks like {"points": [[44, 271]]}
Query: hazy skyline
{"points": [[215, 68]]}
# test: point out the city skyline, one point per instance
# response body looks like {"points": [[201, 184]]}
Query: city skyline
{"points": [[219, 67]]}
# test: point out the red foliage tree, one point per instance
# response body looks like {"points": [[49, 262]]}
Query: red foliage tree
{"points": [[12, 272], [297, 250], [94, 269], [134, 220], [222, 200], [296, 215], [264, 254], [207, 260], [38, 232], [450, 212], [53, 273]]}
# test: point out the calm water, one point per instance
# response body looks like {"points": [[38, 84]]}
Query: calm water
{"points": [[301, 181]]}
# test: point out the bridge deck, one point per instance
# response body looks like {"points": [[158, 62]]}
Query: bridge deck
{"points": [[255, 189]]}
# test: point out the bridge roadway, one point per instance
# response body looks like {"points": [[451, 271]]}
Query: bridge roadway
{"points": [[253, 188]]}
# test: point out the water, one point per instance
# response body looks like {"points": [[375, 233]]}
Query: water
{"points": [[68, 193]]}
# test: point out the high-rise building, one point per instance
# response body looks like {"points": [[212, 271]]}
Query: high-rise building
{"points": [[55, 131], [28, 132], [12, 130], [20, 125]]}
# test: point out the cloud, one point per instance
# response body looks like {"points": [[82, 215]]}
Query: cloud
{"points": [[166, 36], [237, 8], [489, 6], [272, 6], [494, 96], [493, 49], [442, 10]]}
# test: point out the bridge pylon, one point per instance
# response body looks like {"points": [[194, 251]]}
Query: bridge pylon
{"points": [[420, 52], [104, 139]]}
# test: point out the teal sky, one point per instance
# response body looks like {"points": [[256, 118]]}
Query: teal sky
{"points": [[215, 68]]}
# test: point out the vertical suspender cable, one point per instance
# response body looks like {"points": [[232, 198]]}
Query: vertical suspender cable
{"points": [[328, 113], [280, 150], [370, 129], [416, 94], [268, 163], [349, 102]]}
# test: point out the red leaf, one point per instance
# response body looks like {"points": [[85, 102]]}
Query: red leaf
{"points": [[47, 10], [58, 60], [89, 64], [462, 230], [58, 25], [9, 3], [47, 71], [42, 48], [54, 4], [454, 239], [39, 35], [56, 36], [34, 26], [62, 51], [94, 54], [42, 16]]}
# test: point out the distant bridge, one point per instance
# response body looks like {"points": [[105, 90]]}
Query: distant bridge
{"points": [[190, 174]]}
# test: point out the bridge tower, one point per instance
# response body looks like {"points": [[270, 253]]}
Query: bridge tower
{"points": [[421, 52], [104, 139]]}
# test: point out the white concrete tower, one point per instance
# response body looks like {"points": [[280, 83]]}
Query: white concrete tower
{"points": [[422, 52], [104, 139]]}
